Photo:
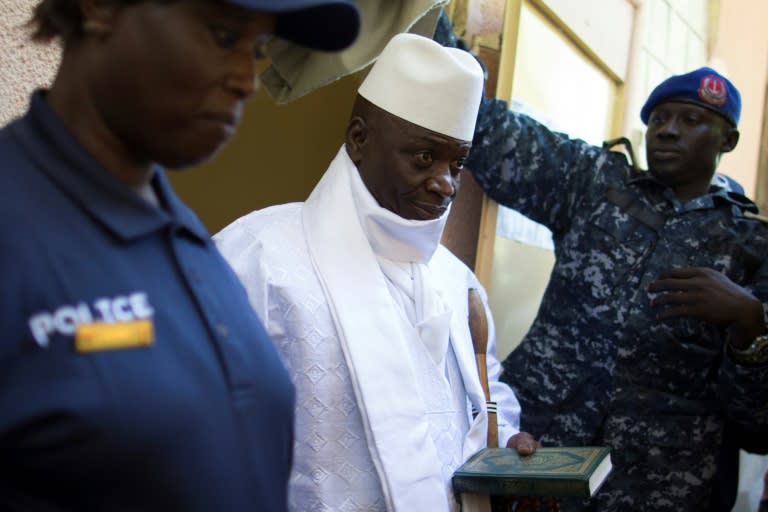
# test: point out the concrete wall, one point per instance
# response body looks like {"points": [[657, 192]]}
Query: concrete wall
{"points": [[25, 66]]}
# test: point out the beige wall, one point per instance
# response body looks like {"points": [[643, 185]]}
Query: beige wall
{"points": [[741, 49]]}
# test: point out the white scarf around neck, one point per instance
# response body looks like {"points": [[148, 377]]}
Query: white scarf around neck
{"points": [[390, 235], [382, 375]]}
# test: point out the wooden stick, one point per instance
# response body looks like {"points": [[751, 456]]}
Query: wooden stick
{"points": [[478, 329]]}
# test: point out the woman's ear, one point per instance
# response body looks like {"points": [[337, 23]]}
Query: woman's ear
{"points": [[356, 138]]}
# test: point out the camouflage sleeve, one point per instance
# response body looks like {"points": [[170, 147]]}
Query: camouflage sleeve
{"points": [[521, 164], [744, 389]]}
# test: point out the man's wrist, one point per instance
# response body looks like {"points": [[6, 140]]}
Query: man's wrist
{"points": [[750, 326], [754, 354]]}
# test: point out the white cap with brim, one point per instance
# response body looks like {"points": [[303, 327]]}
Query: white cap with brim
{"points": [[317, 24], [427, 84]]}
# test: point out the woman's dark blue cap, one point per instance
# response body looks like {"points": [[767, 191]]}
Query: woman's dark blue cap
{"points": [[317, 24]]}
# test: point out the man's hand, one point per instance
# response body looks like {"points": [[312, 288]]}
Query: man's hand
{"points": [[709, 295], [524, 443]]}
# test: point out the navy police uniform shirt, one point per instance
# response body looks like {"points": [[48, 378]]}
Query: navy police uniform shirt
{"points": [[134, 374]]}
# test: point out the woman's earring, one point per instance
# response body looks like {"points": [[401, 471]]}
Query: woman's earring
{"points": [[95, 27]]}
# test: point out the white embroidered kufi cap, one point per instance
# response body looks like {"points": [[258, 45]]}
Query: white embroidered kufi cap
{"points": [[423, 82]]}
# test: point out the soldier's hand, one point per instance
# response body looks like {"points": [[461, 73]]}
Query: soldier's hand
{"points": [[708, 295], [524, 443]]}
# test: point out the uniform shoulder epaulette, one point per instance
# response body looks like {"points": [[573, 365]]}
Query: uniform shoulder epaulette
{"points": [[751, 215]]}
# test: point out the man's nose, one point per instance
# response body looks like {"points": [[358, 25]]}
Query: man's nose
{"points": [[669, 128], [443, 183]]}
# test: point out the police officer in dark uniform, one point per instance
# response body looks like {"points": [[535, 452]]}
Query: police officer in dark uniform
{"points": [[134, 374], [652, 331]]}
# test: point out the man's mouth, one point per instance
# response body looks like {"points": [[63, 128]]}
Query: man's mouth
{"points": [[665, 153], [226, 120], [430, 210]]}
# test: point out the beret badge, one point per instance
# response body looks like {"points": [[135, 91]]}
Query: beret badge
{"points": [[712, 90]]}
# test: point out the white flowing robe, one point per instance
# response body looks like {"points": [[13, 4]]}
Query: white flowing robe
{"points": [[370, 431]]}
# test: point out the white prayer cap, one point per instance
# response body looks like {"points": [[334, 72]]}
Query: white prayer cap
{"points": [[423, 82]]}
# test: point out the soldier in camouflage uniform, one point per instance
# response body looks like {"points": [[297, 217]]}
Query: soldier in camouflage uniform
{"points": [[645, 336]]}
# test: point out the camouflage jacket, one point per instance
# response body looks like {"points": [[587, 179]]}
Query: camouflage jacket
{"points": [[597, 367]]}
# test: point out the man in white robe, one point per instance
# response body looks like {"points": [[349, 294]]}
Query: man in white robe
{"points": [[369, 311]]}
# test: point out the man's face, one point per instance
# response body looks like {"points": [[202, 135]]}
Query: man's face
{"points": [[683, 145], [411, 171], [170, 79]]}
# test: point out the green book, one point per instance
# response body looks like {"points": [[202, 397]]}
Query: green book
{"points": [[550, 471]]}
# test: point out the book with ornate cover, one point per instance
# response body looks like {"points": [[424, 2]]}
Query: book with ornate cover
{"points": [[550, 471]]}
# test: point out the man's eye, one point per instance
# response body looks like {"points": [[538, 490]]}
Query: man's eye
{"points": [[224, 36], [424, 157], [459, 164]]}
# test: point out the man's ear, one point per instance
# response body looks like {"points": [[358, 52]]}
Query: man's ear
{"points": [[356, 138], [730, 139], [99, 16]]}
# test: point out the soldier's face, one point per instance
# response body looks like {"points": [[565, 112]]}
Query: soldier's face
{"points": [[684, 143]]}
